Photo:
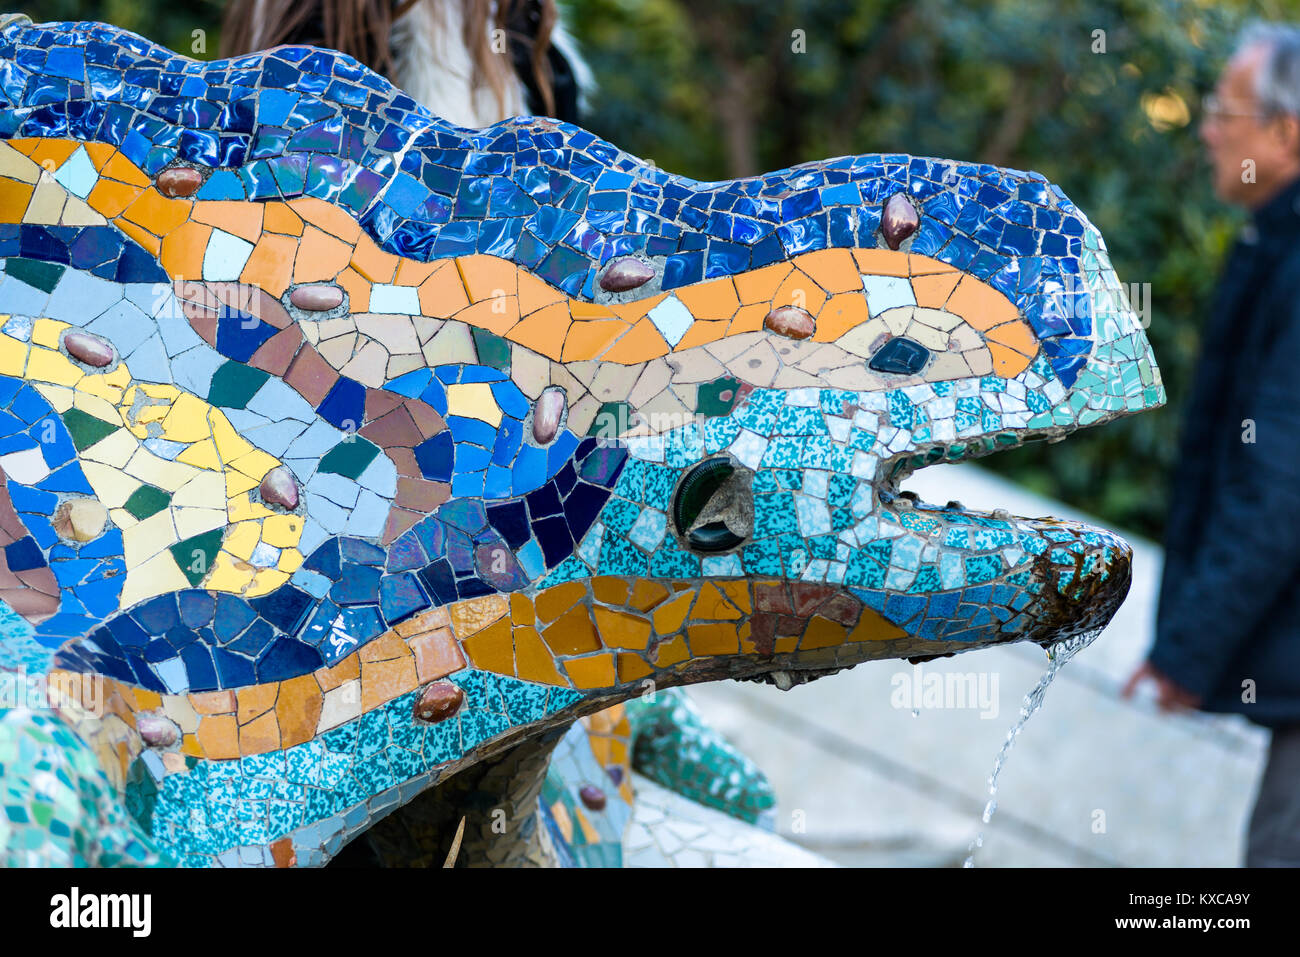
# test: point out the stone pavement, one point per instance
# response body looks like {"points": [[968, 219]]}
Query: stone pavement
{"points": [[668, 828], [1091, 781]]}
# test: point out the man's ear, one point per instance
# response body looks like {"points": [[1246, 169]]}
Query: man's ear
{"points": [[1288, 131]]}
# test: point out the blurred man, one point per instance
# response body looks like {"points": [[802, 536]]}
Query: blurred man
{"points": [[1228, 628]]}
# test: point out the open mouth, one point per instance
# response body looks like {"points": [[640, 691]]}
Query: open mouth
{"points": [[1058, 579], [1079, 573]]}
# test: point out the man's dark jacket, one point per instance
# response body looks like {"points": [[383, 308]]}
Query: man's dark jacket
{"points": [[1228, 628]]}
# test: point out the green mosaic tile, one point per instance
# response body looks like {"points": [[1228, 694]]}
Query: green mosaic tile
{"points": [[235, 384], [349, 458], [492, 350], [145, 501], [85, 428], [42, 275], [195, 555]]}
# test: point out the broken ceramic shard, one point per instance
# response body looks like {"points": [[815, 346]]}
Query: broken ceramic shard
{"points": [[626, 273], [80, 519], [89, 348], [439, 701], [548, 415], [179, 182], [791, 322], [279, 488], [898, 220], [317, 297]]}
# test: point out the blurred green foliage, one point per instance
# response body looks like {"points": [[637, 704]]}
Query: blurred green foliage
{"points": [[736, 87], [170, 22]]}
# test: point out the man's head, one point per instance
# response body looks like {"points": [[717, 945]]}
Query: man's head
{"points": [[1252, 122]]}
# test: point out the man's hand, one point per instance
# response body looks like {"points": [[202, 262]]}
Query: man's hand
{"points": [[1169, 696]]}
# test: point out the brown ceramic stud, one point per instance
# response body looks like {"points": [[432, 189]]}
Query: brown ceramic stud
{"points": [[155, 730], [791, 322], [626, 273], [548, 411], [593, 797], [317, 298], [88, 348], [899, 220], [438, 702], [179, 181], [279, 488], [79, 519]]}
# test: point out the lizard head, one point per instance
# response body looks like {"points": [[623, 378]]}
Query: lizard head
{"points": [[352, 409]]}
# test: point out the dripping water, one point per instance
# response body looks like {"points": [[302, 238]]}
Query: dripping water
{"points": [[1057, 655]]}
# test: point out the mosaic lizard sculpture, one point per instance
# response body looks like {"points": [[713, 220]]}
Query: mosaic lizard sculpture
{"points": [[351, 457]]}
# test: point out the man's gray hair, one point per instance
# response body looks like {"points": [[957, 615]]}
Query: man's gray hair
{"points": [[1277, 84]]}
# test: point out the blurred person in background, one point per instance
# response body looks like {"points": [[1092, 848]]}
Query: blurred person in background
{"points": [[470, 62], [1228, 625]]}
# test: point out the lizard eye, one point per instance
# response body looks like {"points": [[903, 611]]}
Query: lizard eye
{"points": [[694, 495], [900, 355]]}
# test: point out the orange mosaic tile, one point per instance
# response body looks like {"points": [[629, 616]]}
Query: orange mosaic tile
{"points": [[798, 289], [240, 219], [436, 655], [1015, 335], [552, 602], [534, 660], [593, 671], [840, 314], [321, 256], [218, 737], [702, 333], [632, 668], [641, 343], [297, 710], [280, 218], [882, 262], [715, 299], [760, 285], [590, 339], [442, 295], [255, 700], [646, 594], [712, 639], [386, 647], [621, 630], [13, 202], [572, 633], [492, 648], [834, 270], [156, 215], [118, 167], [822, 633], [473, 615], [259, 735], [207, 702], [670, 617], [982, 306], [382, 681], [932, 291], [611, 591]]}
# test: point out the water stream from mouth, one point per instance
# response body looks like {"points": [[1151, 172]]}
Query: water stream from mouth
{"points": [[1057, 655]]}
